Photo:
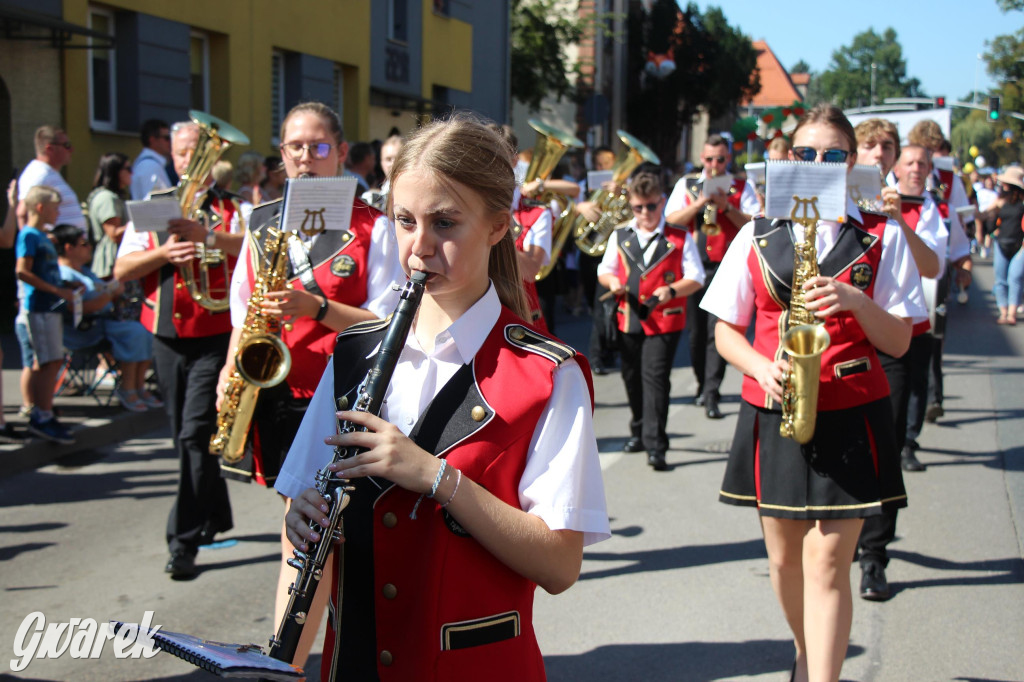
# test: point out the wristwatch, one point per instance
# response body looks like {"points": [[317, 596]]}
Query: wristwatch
{"points": [[540, 186], [211, 239], [322, 313]]}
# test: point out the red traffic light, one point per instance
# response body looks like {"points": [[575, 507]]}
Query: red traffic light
{"points": [[940, 102]]}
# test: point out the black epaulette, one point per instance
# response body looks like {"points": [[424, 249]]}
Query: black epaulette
{"points": [[365, 327], [264, 213], [526, 338]]}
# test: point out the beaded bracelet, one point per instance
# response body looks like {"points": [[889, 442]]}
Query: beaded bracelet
{"points": [[451, 497], [437, 480]]}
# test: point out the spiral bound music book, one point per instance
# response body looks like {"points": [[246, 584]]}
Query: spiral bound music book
{"points": [[791, 183], [315, 204], [237, 661]]}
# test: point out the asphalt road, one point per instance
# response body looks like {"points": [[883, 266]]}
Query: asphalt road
{"points": [[679, 593]]}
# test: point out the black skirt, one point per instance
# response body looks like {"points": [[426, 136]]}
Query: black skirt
{"points": [[850, 469]]}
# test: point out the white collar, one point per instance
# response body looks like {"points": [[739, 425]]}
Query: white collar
{"points": [[469, 332]]}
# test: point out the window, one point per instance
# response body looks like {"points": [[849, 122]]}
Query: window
{"points": [[102, 83], [199, 71], [398, 20], [276, 96]]}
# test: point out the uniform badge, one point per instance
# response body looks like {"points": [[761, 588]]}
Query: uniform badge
{"points": [[861, 275], [343, 266], [669, 277]]}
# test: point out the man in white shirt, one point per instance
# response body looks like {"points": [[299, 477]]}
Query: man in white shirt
{"points": [[149, 172], [53, 152]]}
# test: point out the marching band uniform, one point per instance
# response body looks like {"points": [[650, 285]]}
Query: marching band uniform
{"points": [[536, 222], [848, 470], [189, 344], [356, 266], [511, 409], [708, 365], [648, 338]]}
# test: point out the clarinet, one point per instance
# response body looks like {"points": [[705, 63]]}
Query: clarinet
{"points": [[333, 488]]}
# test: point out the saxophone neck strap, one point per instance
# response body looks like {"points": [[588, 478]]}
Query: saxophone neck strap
{"points": [[298, 254]]}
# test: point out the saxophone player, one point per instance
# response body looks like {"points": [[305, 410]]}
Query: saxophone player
{"points": [[812, 499], [687, 206], [189, 343], [339, 278]]}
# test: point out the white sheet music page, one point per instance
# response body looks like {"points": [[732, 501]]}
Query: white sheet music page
{"points": [[755, 173], [798, 184], [597, 178], [719, 182], [864, 186], [315, 204], [152, 215]]}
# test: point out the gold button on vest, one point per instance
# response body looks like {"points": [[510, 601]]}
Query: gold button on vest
{"points": [[389, 591], [386, 658], [390, 520]]}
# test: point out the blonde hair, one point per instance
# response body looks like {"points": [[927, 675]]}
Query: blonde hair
{"points": [[44, 136], [829, 114], [874, 128], [40, 194], [222, 172], [464, 149], [927, 133], [780, 144], [249, 167]]}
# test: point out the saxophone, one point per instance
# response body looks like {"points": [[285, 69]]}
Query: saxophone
{"points": [[262, 359], [806, 338], [334, 489]]}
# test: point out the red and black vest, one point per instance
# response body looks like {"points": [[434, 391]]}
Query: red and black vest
{"points": [[665, 267], [526, 216], [943, 191], [851, 374], [912, 216], [421, 599], [712, 249]]}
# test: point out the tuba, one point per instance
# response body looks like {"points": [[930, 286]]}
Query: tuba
{"points": [[215, 137], [262, 359], [592, 238], [551, 145], [806, 338]]}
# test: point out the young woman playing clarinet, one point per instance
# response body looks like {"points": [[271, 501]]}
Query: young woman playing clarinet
{"points": [[480, 478], [812, 499]]}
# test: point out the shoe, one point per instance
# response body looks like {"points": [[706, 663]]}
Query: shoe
{"points": [[181, 566], [909, 461], [933, 412], [25, 411], [984, 253], [51, 430], [599, 370], [699, 400], [634, 444], [711, 408], [130, 400], [912, 444], [657, 460], [9, 437], [962, 297], [873, 585], [150, 400]]}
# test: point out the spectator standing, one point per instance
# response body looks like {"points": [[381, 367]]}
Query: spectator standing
{"points": [[359, 164], [53, 152], [150, 173], [8, 233], [272, 186], [250, 172], [41, 329], [107, 213]]}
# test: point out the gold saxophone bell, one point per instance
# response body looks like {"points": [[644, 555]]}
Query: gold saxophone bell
{"points": [[804, 344]]}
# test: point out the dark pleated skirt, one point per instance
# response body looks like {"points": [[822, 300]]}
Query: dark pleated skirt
{"points": [[850, 469]]}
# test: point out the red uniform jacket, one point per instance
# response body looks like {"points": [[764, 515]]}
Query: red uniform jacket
{"points": [[851, 374], [912, 216], [666, 266], [444, 608], [712, 249], [526, 216]]}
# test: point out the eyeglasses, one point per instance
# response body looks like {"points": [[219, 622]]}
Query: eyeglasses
{"points": [[651, 207], [812, 154], [711, 159], [66, 144], [318, 150]]}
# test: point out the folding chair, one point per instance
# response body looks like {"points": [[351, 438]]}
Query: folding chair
{"points": [[83, 373]]}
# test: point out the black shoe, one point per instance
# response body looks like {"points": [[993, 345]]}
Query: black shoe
{"points": [[873, 585], [711, 408], [634, 444], [912, 444], [657, 460], [599, 370], [699, 400], [181, 566], [8, 436], [933, 412], [909, 461]]}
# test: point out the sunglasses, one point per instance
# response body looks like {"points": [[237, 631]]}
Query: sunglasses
{"points": [[651, 207], [710, 159], [812, 154], [318, 150], [66, 144]]}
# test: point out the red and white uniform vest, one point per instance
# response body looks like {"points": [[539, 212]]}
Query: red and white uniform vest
{"points": [[168, 309], [339, 259], [665, 267], [526, 216], [912, 216], [444, 608], [712, 249], [851, 374], [944, 191]]}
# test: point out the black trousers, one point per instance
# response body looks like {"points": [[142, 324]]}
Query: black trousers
{"points": [[187, 370], [925, 349], [602, 347], [708, 365], [646, 364]]}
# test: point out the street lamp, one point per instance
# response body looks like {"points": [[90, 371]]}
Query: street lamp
{"points": [[874, 70]]}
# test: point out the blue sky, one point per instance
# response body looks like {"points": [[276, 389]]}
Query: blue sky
{"points": [[941, 39]]}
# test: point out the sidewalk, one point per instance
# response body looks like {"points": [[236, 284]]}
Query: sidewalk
{"points": [[93, 425]]}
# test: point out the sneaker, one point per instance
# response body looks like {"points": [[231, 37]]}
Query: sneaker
{"points": [[150, 400], [25, 411], [51, 430], [130, 400], [984, 253], [9, 437]]}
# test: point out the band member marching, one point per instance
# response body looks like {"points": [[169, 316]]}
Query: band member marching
{"points": [[650, 267], [812, 498], [480, 478], [690, 207]]}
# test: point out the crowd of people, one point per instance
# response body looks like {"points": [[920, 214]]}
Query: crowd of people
{"points": [[482, 464]]}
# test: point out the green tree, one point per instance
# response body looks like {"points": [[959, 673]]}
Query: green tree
{"points": [[1005, 63], [801, 67], [847, 81], [541, 32], [1009, 5], [975, 130]]}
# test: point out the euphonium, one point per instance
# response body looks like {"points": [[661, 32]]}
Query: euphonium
{"points": [[215, 137], [548, 150], [592, 238], [262, 359], [806, 338]]}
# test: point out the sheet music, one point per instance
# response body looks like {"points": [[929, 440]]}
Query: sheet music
{"points": [[824, 181], [315, 204], [152, 215], [944, 163], [597, 178], [713, 185], [967, 213], [864, 186], [755, 173]]}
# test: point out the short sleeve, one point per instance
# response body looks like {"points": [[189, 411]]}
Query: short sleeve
{"points": [[384, 270]]}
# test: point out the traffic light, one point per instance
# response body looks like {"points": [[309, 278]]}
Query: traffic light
{"points": [[940, 102], [993, 108]]}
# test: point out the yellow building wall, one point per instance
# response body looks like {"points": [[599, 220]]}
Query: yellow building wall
{"points": [[447, 52], [243, 36]]}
